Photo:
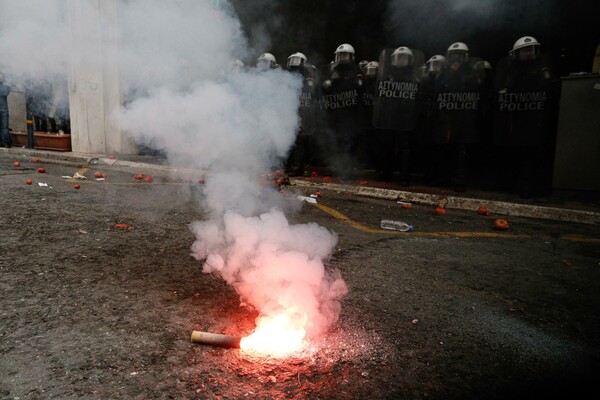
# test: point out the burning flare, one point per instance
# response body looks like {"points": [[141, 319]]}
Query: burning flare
{"points": [[276, 336]]}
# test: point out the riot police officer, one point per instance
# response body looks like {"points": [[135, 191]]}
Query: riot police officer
{"points": [[457, 118], [341, 103], [395, 109], [522, 113], [428, 73], [302, 152], [368, 136]]}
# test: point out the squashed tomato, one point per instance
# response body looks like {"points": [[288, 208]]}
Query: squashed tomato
{"points": [[483, 211], [501, 224]]}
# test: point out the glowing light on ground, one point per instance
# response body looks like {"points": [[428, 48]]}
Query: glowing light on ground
{"points": [[276, 336]]}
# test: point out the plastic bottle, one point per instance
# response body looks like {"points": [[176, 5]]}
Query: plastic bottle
{"points": [[395, 225]]}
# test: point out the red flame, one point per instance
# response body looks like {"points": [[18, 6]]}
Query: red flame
{"points": [[276, 336]]}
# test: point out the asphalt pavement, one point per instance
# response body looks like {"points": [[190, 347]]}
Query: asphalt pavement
{"points": [[579, 207]]}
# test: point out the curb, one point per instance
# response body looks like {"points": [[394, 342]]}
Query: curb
{"points": [[451, 202], [461, 203]]}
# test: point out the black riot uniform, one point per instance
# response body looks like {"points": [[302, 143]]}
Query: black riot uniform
{"points": [[427, 105], [303, 151], [395, 109], [458, 117], [341, 103], [367, 144], [523, 103]]}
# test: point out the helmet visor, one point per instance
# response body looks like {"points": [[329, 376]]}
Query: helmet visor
{"points": [[402, 60], [343, 56], [264, 64], [371, 71], [435, 66], [457, 57], [295, 61], [527, 53]]}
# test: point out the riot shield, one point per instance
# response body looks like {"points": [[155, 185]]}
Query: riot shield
{"points": [[341, 103], [395, 95], [307, 100], [395, 101], [522, 102], [458, 109], [341, 94]]}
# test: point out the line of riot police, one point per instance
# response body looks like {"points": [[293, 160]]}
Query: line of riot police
{"points": [[449, 120]]}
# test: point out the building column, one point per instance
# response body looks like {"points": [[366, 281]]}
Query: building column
{"points": [[94, 90]]}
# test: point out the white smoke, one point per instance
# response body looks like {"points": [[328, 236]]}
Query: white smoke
{"points": [[173, 60], [33, 37], [238, 126]]}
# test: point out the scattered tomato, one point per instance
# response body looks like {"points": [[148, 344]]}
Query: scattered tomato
{"points": [[98, 174], [363, 183], [440, 210], [501, 224], [314, 174], [77, 186], [37, 159], [41, 170], [123, 226], [139, 177], [406, 205], [16, 164], [483, 211], [28, 182], [148, 178], [318, 194]]}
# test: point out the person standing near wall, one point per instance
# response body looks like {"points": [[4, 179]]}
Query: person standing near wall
{"points": [[4, 133]]}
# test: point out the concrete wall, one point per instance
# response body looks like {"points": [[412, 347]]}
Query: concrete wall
{"points": [[94, 92], [17, 114]]}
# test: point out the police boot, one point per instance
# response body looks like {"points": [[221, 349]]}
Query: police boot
{"points": [[461, 169], [404, 161]]}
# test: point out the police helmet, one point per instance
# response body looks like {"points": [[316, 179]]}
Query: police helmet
{"points": [[435, 63], [344, 52], [296, 60], [371, 69], [402, 57], [458, 52], [525, 48], [266, 61]]}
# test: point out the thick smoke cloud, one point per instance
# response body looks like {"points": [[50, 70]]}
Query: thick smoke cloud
{"points": [[33, 38], [238, 126], [180, 95], [176, 43]]}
